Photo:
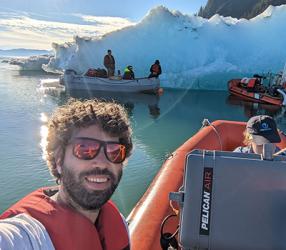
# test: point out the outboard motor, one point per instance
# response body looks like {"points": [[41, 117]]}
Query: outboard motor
{"points": [[259, 76], [284, 96], [69, 74]]}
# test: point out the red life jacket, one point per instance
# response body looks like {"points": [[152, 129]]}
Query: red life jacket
{"points": [[155, 68], [70, 230]]}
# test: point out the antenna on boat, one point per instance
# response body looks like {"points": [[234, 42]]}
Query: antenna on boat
{"points": [[283, 77]]}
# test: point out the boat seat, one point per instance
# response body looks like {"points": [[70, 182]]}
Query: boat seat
{"points": [[252, 85], [250, 82]]}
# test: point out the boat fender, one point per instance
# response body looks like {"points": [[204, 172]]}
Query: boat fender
{"points": [[160, 91], [284, 96]]}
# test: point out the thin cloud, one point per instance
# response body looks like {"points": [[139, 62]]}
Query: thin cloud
{"points": [[105, 20], [24, 31]]}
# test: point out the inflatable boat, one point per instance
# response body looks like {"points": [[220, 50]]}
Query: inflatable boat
{"points": [[153, 208], [256, 92]]}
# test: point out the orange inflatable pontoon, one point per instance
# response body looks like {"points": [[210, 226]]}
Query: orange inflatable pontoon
{"points": [[260, 94], [146, 217]]}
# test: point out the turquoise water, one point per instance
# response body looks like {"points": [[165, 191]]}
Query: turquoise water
{"points": [[160, 125]]}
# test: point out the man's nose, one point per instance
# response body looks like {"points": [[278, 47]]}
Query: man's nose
{"points": [[100, 158]]}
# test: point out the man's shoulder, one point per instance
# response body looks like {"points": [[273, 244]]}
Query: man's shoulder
{"points": [[33, 201], [24, 232]]}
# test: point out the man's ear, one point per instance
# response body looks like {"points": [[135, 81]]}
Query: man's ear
{"points": [[59, 160], [125, 163], [59, 168]]}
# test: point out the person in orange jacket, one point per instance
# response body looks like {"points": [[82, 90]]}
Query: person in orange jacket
{"points": [[155, 69], [88, 143]]}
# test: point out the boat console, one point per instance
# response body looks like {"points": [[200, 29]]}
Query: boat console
{"points": [[232, 201]]}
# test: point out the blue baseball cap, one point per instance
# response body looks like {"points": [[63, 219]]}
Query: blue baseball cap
{"points": [[263, 129]]}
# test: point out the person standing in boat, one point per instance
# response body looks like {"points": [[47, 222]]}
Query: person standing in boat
{"points": [[109, 63], [155, 69], [260, 129], [88, 143], [128, 73]]}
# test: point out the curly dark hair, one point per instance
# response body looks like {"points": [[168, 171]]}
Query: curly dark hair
{"points": [[110, 116]]}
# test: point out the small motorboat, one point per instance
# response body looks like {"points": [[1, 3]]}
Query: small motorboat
{"points": [[252, 89], [73, 81], [147, 216]]}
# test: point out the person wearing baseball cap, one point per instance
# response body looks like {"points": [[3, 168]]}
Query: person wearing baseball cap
{"points": [[260, 129]]}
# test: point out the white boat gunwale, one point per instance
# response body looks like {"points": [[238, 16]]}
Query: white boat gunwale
{"points": [[144, 84]]}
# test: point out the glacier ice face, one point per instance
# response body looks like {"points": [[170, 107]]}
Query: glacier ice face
{"points": [[194, 52]]}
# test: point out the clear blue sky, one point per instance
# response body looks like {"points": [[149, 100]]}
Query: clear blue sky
{"points": [[37, 23]]}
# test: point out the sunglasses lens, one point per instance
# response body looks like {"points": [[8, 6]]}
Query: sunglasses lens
{"points": [[115, 152], [86, 150]]}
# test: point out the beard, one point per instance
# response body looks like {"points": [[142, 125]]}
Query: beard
{"points": [[88, 200]]}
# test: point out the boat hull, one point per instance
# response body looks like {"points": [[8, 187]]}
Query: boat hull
{"points": [[260, 97], [146, 217], [73, 81]]}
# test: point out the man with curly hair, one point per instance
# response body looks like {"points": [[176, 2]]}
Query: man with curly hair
{"points": [[88, 144]]}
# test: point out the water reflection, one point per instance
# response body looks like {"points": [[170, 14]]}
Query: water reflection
{"points": [[128, 100], [160, 125], [33, 73], [251, 108]]}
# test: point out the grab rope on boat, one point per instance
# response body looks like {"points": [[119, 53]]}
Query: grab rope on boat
{"points": [[206, 123]]}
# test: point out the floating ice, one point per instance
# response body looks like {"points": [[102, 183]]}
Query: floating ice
{"points": [[30, 63], [194, 52]]}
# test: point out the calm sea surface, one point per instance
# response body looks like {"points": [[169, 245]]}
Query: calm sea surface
{"points": [[160, 126]]}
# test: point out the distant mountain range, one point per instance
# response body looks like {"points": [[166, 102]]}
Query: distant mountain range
{"points": [[237, 8], [23, 52]]}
